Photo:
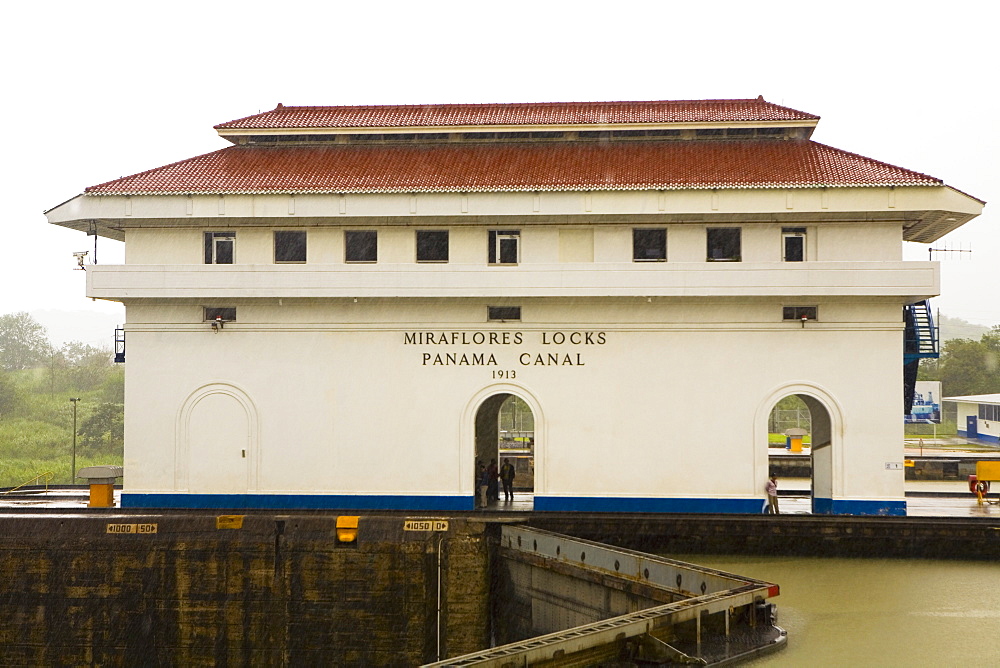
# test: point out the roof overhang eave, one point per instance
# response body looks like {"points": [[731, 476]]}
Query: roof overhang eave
{"points": [[930, 225], [594, 187], [527, 127]]}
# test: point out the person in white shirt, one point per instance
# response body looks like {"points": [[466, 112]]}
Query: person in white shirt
{"points": [[771, 487]]}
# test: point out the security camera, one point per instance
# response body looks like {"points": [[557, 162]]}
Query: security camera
{"points": [[217, 324], [80, 257]]}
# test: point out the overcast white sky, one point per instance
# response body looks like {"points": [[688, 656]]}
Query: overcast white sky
{"points": [[99, 90]]}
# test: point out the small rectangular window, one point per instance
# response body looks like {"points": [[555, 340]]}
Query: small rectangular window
{"points": [[220, 247], [793, 241], [798, 313], [290, 246], [649, 245], [724, 244], [503, 313], [504, 246], [432, 245], [361, 246], [224, 314]]}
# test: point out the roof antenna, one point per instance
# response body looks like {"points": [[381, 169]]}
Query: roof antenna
{"points": [[961, 249]]}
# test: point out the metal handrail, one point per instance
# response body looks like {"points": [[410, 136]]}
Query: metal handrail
{"points": [[48, 475]]}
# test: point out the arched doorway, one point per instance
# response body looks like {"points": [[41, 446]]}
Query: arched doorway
{"points": [[217, 441], [805, 413], [505, 433]]}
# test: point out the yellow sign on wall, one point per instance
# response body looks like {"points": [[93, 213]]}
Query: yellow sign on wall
{"points": [[988, 471], [425, 525]]}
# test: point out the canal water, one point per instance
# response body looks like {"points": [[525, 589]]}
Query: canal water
{"points": [[878, 612]]}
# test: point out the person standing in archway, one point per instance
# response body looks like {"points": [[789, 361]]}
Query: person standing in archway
{"points": [[483, 480], [507, 478], [771, 488]]}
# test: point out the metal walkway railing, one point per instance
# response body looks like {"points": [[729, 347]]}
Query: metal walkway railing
{"points": [[47, 476], [719, 592]]}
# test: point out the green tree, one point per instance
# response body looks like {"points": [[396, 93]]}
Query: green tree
{"points": [[991, 340], [10, 394], [969, 367], [76, 367], [113, 386], [23, 342], [104, 429]]}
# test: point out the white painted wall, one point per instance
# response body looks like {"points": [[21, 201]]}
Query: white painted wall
{"points": [[985, 427], [667, 407], [315, 383], [540, 244]]}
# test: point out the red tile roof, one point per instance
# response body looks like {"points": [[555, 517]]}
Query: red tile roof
{"points": [[541, 166], [534, 113]]}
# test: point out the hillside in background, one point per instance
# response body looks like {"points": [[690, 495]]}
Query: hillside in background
{"points": [[956, 328], [90, 327]]}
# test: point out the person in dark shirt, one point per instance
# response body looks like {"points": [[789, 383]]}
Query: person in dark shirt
{"points": [[507, 478]]}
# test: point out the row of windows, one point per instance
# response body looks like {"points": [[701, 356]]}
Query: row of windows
{"points": [[409, 137], [505, 313], [989, 412], [724, 244]]}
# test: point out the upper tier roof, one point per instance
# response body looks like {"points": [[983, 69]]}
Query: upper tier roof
{"points": [[523, 114], [510, 167]]}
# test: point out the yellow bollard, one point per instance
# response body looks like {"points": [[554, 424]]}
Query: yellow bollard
{"points": [[102, 495], [347, 528], [102, 484]]}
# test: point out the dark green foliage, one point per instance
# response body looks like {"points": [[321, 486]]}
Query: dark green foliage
{"points": [[36, 416], [23, 342], [104, 429], [967, 367], [10, 395]]}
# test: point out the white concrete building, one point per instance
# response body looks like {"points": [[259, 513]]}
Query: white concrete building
{"points": [[978, 417], [329, 313]]}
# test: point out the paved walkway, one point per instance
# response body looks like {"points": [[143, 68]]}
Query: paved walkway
{"points": [[946, 498]]}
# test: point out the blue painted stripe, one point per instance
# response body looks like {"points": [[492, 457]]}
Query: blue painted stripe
{"points": [[465, 503], [856, 507], [589, 504], [822, 506], [297, 501]]}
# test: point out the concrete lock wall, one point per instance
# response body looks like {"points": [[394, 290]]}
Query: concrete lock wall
{"points": [[277, 591]]}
